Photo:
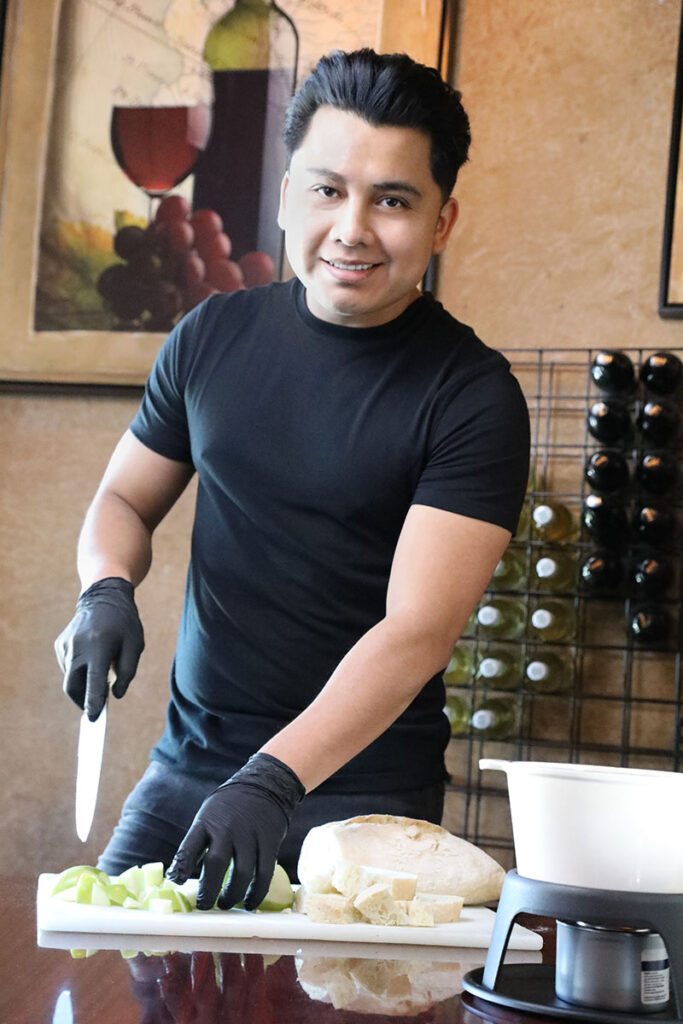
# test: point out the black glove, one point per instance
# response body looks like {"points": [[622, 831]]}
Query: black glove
{"points": [[244, 820], [105, 631]]}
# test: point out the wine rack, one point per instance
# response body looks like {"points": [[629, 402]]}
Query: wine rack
{"points": [[623, 703]]}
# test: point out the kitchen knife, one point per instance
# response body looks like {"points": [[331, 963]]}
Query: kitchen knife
{"points": [[90, 749], [89, 766]]}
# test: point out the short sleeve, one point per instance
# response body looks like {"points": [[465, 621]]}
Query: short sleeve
{"points": [[478, 464], [161, 420]]}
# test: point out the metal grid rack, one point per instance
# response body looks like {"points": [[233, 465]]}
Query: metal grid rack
{"points": [[624, 707]]}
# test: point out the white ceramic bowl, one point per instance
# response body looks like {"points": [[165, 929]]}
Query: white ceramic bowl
{"points": [[595, 826]]}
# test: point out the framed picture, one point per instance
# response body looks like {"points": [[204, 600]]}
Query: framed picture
{"points": [[94, 95], [671, 274]]}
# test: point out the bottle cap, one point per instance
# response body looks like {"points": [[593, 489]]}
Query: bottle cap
{"points": [[490, 668], [488, 615], [546, 567], [482, 719], [536, 671], [541, 618], [542, 515]]}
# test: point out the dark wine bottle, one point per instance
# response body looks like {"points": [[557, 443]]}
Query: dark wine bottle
{"points": [[654, 526], [252, 52], [605, 520], [651, 576], [661, 373], [651, 625], [601, 572], [607, 471], [658, 423], [609, 421], [612, 371], [657, 474]]}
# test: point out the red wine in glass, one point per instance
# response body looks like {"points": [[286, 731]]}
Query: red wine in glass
{"points": [[157, 147]]}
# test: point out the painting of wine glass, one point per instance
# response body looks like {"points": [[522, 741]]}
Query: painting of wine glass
{"points": [[150, 178]]}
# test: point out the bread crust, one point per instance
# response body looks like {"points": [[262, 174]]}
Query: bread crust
{"points": [[443, 862]]}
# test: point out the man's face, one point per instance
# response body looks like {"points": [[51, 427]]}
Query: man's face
{"points": [[362, 216]]}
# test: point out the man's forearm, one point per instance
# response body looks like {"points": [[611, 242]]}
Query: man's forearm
{"points": [[114, 541], [371, 687]]}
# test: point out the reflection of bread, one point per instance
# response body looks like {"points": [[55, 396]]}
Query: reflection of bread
{"points": [[443, 863], [396, 987]]}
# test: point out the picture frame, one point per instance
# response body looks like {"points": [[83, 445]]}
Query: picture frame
{"points": [[105, 358], [671, 272]]}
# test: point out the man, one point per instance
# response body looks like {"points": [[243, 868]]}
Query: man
{"points": [[361, 460]]}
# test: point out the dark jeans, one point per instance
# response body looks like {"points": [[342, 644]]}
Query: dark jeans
{"points": [[159, 811]]}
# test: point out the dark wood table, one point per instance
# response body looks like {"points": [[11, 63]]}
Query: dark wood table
{"points": [[41, 985]]}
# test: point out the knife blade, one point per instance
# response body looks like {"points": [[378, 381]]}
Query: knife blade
{"points": [[89, 766]]}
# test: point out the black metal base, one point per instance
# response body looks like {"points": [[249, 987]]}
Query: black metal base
{"points": [[530, 988], [514, 985]]}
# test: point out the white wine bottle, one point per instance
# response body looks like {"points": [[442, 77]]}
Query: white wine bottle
{"points": [[550, 672], [501, 667], [511, 573], [501, 618], [554, 570], [457, 711], [460, 669], [551, 520], [496, 718], [553, 619]]}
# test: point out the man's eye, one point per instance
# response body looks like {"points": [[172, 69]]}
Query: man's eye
{"points": [[393, 202], [326, 191]]}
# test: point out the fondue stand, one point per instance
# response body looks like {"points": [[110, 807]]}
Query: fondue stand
{"points": [[600, 849], [531, 987]]}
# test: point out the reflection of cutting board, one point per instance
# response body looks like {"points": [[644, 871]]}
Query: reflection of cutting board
{"points": [[473, 928]]}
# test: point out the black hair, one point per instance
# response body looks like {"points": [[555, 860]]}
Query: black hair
{"points": [[386, 89]]}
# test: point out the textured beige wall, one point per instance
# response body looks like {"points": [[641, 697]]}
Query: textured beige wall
{"points": [[562, 201], [558, 244], [54, 450]]}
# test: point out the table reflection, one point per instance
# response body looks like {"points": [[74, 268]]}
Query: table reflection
{"points": [[208, 987]]}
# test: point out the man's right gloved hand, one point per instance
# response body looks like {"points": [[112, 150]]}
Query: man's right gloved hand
{"points": [[105, 632]]}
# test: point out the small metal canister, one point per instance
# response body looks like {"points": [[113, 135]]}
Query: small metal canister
{"points": [[607, 969]]}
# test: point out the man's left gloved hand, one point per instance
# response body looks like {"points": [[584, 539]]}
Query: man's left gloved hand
{"points": [[244, 820]]}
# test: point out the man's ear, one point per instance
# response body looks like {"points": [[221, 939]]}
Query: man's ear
{"points": [[283, 203], [444, 225]]}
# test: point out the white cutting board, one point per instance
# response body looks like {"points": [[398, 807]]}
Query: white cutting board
{"points": [[473, 929]]}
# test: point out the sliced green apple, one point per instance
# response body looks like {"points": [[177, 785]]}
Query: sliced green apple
{"points": [[280, 894], [71, 877]]}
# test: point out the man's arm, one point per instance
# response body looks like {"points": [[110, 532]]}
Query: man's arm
{"points": [[441, 566], [114, 555], [137, 490]]}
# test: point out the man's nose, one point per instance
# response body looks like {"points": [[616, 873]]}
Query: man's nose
{"points": [[352, 226]]}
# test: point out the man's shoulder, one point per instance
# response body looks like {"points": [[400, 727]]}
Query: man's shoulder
{"points": [[469, 352], [249, 302]]}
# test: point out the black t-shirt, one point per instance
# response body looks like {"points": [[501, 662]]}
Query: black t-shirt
{"points": [[311, 441]]}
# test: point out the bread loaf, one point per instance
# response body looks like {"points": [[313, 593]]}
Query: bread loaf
{"points": [[353, 878], [443, 863]]}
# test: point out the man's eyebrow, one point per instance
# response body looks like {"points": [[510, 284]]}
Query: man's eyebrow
{"points": [[380, 186]]}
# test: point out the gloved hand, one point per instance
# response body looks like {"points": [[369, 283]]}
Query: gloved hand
{"points": [[244, 820], [105, 631]]}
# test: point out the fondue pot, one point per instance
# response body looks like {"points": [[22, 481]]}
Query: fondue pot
{"points": [[594, 826], [600, 849]]}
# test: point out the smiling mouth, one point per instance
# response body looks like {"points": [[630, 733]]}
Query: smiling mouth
{"points": [[342, 265]]}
